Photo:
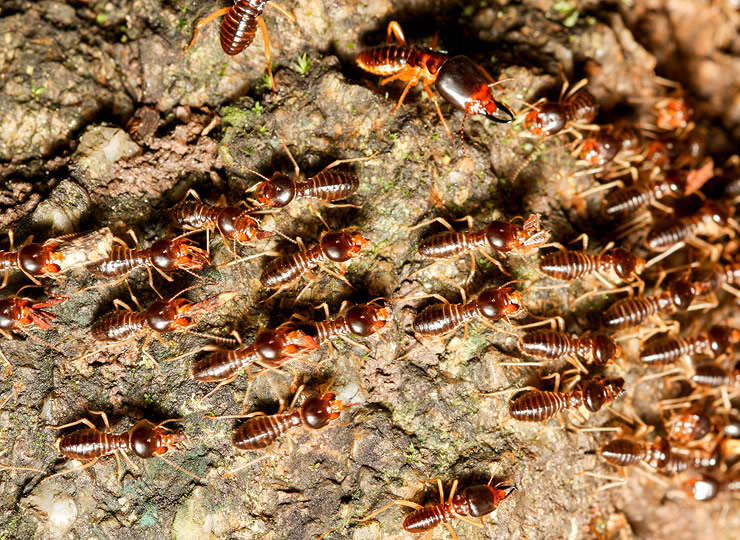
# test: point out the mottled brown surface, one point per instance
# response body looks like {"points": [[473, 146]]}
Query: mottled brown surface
{"points": [[199, 115]]}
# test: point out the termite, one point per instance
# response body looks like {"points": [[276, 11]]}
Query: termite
{"points": [[609, 142], [270, 349], [714, 376], [56, 255], [660, 455], [145, 440], [599, 349], [338, 247], [688, 427], [493, 304], [362, 320], [474, 501], [570, 265], [458, 80], [538, 406], [19, 313], [240, 26], [235, 224], [622, 202], [630, 312], [714, 342], [709, 220], [262, 430], [705, 487], [673, 113], [676, 152], [577, 106]]}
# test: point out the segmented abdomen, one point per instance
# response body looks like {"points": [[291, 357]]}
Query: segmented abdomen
{"points": [[425, 519], [448, 245], [118, 326], [630, 312], [120, 262], [581, 108], [667, 351], [88, 444], [8, 259], [326, 330], [547, 344], [627, 200], [666, 236], [567, 265], [195, 214], [711, 376], [384, 60], [440, 319], [328, 186], [220, 365], [262, 431], [284, 270], [536, 406], [622, 452], [240, 25]]}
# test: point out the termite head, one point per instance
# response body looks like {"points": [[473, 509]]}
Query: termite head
{"points": [[547, 119], [626, 265], [365, 319], [702, 488], [318, 411], [10, 312], [40, 259], [673, 113], [599, 391], [342, 246], [600, 149], [605, 350], [177, 253], [484, 499], [169, 316], [235, 224], [721, 338], [690, 427], [461, 83], [148, 440], [274, 345], [683, 293], [277, 192], [499, 303]]}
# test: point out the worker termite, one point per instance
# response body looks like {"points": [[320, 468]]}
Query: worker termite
{"points": [[688, 427], [56, 255], [714, 376], [240, 26], [504, 237], [261, 430], [174, 315], [568, 265], [338, 247], [609, 143], [550, 345], [233, 223], [145, 440], [538, 406], [576, 107], [709, 220], [472, 502], [714, 342], [457, 79], [270, 349], [362, 320], [622, 202], [493, 304]]}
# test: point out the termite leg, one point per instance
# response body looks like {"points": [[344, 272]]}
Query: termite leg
{"points": [[203, 22], [219, 385], [266, 38], [436, 105], [401, 502], [8, 369], [76, 422]]}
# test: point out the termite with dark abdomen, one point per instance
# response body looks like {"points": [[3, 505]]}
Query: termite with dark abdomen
{"points": [[628, 200], [538, 406], [570, 265], [714, 342], [145, 440], [362, 320], [240, 26], [457, 79], [710, 220], [550, 117], [548, 344], [713, 376]]}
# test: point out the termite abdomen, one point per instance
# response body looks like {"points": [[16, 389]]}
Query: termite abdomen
{"points": [[240, 25]]}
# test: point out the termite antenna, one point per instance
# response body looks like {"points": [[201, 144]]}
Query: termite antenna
{"points": [[176, 466]]}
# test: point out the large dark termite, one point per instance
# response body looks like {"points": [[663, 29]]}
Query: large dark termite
{"points": [[493, 304], [270, 349], [240, 26], [338, 247], [714, 342], [56, 255], [550, 345], [457, 79], [145, 440], [472, 502], [660, 455], [538, 406], [569, 265]]}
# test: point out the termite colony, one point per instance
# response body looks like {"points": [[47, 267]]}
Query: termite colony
{"points": [[287, 243]]}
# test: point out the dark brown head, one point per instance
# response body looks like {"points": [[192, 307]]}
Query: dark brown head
{"points": [[342, 246], [318, 411], [169, 316], [626, 265], [462, 84], [40, 259], [547, 119], [366, 319], [599, 149], [500, 303], [276, 345], [683, 292], [484, 499], [170, 254], [599, 391], [149, 440], [11, 312], [277, 192], [236, 224], [721, 338], [605, 350]]}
